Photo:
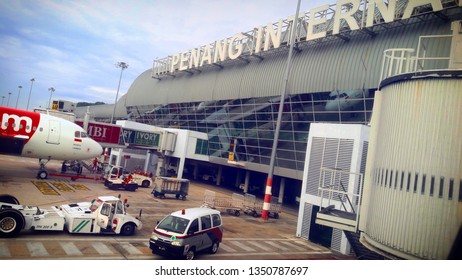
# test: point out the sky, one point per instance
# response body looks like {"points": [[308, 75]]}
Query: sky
{"points": [[74, 46]]}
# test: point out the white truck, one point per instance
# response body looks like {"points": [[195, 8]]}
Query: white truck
{"points": [[115, 177], [104, 214]]}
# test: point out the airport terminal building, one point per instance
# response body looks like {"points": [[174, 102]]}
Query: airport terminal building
{"points": [[230, 89]]}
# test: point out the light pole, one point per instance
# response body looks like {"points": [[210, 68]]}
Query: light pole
{"points": [[269, 180], [19, 92], [3, 99], [123, 66], [51, 90], [28, 100], [8, 102]]}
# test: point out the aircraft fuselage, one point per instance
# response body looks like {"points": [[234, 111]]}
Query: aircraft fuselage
{"points": [[36, 135]]}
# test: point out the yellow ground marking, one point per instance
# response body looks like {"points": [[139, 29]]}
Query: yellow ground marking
{"points": [[79, 187], [45, 188], [62, 186]]}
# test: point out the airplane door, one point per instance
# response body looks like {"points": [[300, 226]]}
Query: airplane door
{"points": [[54, 132]]}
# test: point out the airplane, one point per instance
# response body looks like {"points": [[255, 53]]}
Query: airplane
{"points": [[345, 99], [39, 135]]}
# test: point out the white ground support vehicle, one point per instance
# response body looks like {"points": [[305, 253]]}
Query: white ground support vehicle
{"points": [[186, 232], [104, 214], [116, 177]]}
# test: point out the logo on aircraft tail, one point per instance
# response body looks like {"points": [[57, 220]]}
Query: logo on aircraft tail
{"points": [[14, 125]]}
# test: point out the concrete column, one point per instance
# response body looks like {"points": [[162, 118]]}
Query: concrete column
{"points": [[160, 164], [196, 170], [181, 167], [220, 173], [147, 161], [246, 183], [281, 190], [238, 178]]}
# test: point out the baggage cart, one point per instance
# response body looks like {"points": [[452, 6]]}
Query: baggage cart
{"points": [[254, 206], [174, 186], [232, 205]]}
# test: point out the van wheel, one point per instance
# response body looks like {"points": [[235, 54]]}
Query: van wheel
{"points": [[190, 254], [214, 247]]}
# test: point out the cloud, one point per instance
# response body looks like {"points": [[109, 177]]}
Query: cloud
{"points": [[74, 45]]}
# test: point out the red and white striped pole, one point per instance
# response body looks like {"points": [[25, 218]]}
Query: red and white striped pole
{"points": [[267, 199], [269, 181]]}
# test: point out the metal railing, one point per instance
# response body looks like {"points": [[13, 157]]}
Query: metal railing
{"points": [[430, 55], [332, 190]]}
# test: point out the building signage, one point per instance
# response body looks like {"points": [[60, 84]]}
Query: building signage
{"points": [[102, 132], [319, 22], [139, 138]]}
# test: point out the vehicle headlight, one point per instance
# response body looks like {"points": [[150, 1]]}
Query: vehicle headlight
{"points": [[176, 243], [154, 237]]}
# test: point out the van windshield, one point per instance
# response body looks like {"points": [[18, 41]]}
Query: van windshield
{"points": [[174, 224]]}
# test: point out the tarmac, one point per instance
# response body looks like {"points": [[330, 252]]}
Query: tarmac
{"points": [[18, 178]]}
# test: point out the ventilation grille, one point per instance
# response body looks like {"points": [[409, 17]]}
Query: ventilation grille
{"points": [[336, 239], [331, 153], [307, 212]]}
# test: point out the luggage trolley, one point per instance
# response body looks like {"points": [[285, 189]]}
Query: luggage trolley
{"points": [[178, 187], [232, 205], [254, 206]]}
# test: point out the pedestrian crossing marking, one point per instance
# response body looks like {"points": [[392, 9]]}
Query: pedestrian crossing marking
{"points": [[306, 244], [242, 246], [37, 249], [70, 249], [291, 244], [261, 246], [135, 249], [227, 248], [102, 249], [275, 244], [4, 251], [130, 249]]}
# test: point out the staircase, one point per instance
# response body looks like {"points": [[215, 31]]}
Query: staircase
{"points": [[87, 164], [361, 252]]}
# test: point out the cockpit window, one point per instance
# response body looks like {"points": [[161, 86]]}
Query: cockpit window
{"points": [[80, 134]]}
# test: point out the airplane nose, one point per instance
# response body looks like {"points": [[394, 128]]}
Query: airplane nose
{"points": [[96, 149]]}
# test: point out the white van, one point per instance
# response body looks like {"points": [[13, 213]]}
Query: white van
{"points": [[187, 232]]}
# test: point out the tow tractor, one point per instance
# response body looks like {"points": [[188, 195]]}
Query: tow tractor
{"points": [[104, 214], [115, 177]]}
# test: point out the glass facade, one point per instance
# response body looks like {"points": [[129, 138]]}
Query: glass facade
{"points": [[250, 123]]}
